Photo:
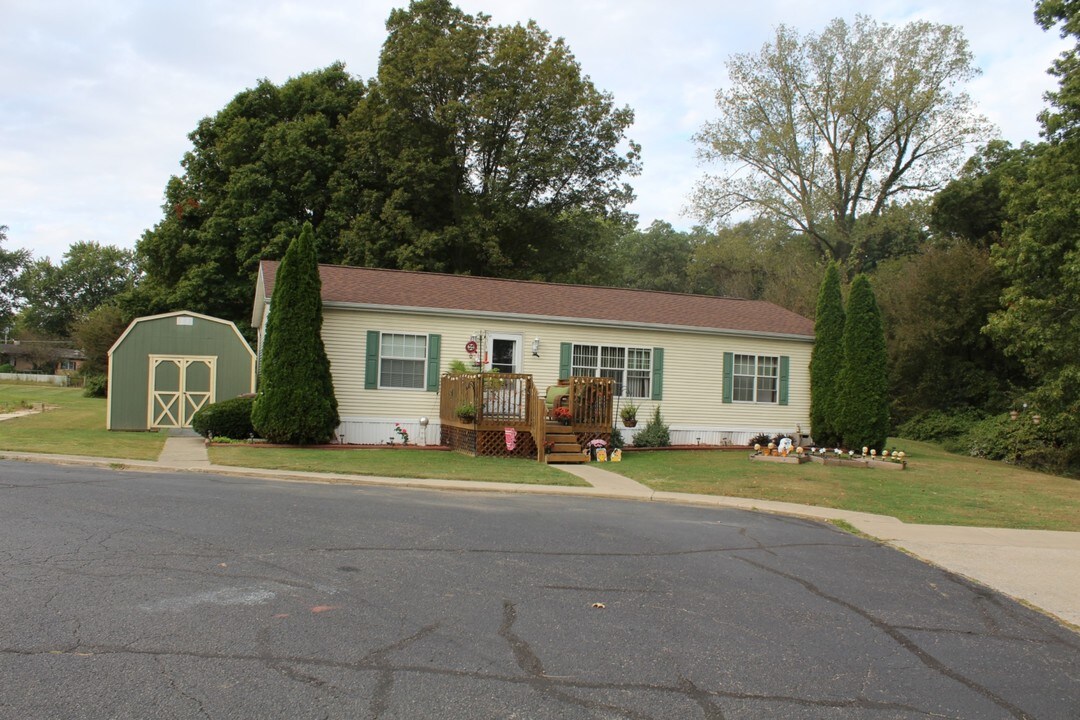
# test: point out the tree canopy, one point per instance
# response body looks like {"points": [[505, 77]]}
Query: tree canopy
{"points": [[820, 130], [476, 149], [1039, 253], [57, 296]]}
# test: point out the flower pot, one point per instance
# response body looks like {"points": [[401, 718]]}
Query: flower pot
{"points": [[630, 423]]}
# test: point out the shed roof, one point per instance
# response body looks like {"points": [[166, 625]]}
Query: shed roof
{"points": [[377, 288]]}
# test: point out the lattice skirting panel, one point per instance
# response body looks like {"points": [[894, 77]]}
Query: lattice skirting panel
{"points": [[490, 443]]}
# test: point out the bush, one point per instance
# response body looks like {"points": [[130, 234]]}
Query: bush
{"points": [[95, 386], [655, 434], [617, 441], [7, 368], [1043, 447], [228, 418], [940, 425]]}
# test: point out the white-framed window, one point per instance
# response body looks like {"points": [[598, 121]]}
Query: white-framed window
{"points": [[402, 361], [68, 365], [629, 367], [756, 378]]}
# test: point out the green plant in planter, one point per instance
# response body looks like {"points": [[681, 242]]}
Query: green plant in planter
{"points": [[466, 412], [628, 413]]}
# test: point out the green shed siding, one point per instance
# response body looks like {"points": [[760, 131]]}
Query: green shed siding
{"points": [[129, 380]]}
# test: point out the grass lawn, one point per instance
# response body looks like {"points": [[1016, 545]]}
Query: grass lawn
{"points": [[937, 487], [395, 463], [75, 427]]}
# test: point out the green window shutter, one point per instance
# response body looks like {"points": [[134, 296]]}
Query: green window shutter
{"points": [[371, 367], [566, 351], [434, 344], [729, 369], [785, 363], [658, 373]]}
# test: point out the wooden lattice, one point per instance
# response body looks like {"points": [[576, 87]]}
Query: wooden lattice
{"points": [[488, 443]]}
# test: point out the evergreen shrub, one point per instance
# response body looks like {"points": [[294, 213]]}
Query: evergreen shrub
{"points": [[226, 419], [655, 434]]}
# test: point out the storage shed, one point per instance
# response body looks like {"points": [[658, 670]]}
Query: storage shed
{"points": [[164, 368]]}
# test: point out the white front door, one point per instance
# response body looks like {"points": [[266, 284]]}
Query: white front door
{"points": [[504, 352]]}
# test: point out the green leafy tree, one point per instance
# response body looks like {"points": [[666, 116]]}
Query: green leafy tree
{"points": [[11, 264], [973, 206], [474, 144], [934, 306], [657, 258], [296, 403], [56, 296], [95, 332], [258, 170], [829, 128], [862, 414], [1039, 253], [827, 359]]}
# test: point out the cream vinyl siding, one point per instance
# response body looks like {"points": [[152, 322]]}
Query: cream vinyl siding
{"points": [[693, 366]]}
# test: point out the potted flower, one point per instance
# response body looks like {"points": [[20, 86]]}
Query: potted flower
{"points": [[466, 412], [562, 415], [628, 413]]}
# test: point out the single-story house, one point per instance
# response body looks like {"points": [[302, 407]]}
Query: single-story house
{"points": [[165, 368], [721, 369], [52, 356]]}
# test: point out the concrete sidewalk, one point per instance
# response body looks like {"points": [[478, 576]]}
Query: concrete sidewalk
{"points": [[1039, 567]]}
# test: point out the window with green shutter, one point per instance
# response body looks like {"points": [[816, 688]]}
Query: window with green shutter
{"points": [[402, 361]]}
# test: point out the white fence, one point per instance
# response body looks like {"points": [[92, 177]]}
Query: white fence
{"points": [[33, 377]]}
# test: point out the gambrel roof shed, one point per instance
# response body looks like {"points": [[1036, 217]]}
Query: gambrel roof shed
{"points": [[373, 288], [164, 368]]}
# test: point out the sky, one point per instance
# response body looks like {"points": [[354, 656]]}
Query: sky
{"points": [[97, 98]]}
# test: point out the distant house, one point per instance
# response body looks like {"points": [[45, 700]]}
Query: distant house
{"points": [[721, 369], [50, 357]]}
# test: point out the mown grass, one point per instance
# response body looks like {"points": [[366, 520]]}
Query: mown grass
{"points": [[395, 463], [936, 488], [75, 426]]}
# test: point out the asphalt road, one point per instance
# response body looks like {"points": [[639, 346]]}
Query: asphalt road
{"points": [[132, 595]]}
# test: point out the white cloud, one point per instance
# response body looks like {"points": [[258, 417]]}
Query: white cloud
{"points": [[99, 97]]}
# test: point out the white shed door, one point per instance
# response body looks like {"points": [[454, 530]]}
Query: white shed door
{"points": [[179, 387]]}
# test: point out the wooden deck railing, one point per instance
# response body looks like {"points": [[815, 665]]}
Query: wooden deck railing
{"points": [[592, 403], [497, 400]]}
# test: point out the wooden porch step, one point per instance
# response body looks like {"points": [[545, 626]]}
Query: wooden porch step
{"points": [[567, 457]]}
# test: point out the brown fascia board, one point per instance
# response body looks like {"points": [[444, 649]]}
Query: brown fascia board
{"points": [[439, 293]]}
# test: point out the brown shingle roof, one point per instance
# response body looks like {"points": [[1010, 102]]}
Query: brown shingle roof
{"points": [[437, 291]]}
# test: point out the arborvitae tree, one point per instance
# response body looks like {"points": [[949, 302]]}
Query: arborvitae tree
{"points": [[863, 413], [827, 358], [296, 403]]}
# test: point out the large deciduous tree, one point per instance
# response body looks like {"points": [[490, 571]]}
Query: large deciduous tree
{"points": [[476, 145], [862, 410], [258, 170], [296, 403], [57, 296], [820, 130], [827, 359], [1039, 252]]}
